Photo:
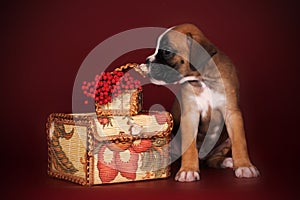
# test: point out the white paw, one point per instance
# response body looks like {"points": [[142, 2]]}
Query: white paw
{"points": [[247, 172], [227, 163], [187, 176]]}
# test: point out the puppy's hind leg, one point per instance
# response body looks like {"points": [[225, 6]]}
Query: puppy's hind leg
{"points": [[218, 158]]}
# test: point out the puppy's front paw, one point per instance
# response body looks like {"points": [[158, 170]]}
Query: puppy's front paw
{"points": [[247, 172], [187, 176]]}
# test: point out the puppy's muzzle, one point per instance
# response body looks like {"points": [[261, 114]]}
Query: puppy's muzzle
{"points": [[163, 73]]}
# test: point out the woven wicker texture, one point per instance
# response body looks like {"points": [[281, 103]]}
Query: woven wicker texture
{"points": [[78, 152]]}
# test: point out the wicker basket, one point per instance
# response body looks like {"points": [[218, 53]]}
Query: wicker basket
{"points": [[87, 150], [127, 103]]}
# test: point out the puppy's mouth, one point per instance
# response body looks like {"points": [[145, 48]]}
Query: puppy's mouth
{"points": [[161, 74]]}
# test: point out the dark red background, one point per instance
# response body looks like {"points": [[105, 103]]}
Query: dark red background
{"points": [[43, 44]]}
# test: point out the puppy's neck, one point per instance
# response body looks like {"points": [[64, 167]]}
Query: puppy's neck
{"points": [[191, 76], [189, 79], [192, 80]]}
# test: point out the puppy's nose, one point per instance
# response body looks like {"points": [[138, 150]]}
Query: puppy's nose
{"points": [[148, 61]]}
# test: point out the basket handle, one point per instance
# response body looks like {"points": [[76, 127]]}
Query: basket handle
{"points": [[135, 66], [126, 67]]}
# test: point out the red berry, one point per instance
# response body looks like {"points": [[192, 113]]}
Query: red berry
{"points": [[100, 120], [105, 120], [105, 101], [100, 102]]}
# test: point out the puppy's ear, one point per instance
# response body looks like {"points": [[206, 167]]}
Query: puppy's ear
{"points": [[200, 51]]}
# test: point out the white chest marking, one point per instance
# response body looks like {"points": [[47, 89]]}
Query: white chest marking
{"points": [[209, 99]]}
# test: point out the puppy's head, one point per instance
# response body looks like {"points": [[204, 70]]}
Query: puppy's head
{"points": [[180, 52]]}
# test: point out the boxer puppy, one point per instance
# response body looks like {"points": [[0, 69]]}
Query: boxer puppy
{"points": [[208, 99]]}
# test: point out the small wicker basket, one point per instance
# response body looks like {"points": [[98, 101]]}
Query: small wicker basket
{"points": [[129, 102]]}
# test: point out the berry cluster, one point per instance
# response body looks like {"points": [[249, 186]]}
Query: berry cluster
{"points": [[108, 85]]}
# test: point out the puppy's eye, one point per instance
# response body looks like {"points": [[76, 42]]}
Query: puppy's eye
{"points": [[167, 54]]}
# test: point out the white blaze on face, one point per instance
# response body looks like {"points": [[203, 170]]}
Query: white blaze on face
{"points": [[159, 41], [152, 57]]}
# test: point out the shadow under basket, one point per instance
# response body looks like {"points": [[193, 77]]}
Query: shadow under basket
{"points": [[88, 150]]}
